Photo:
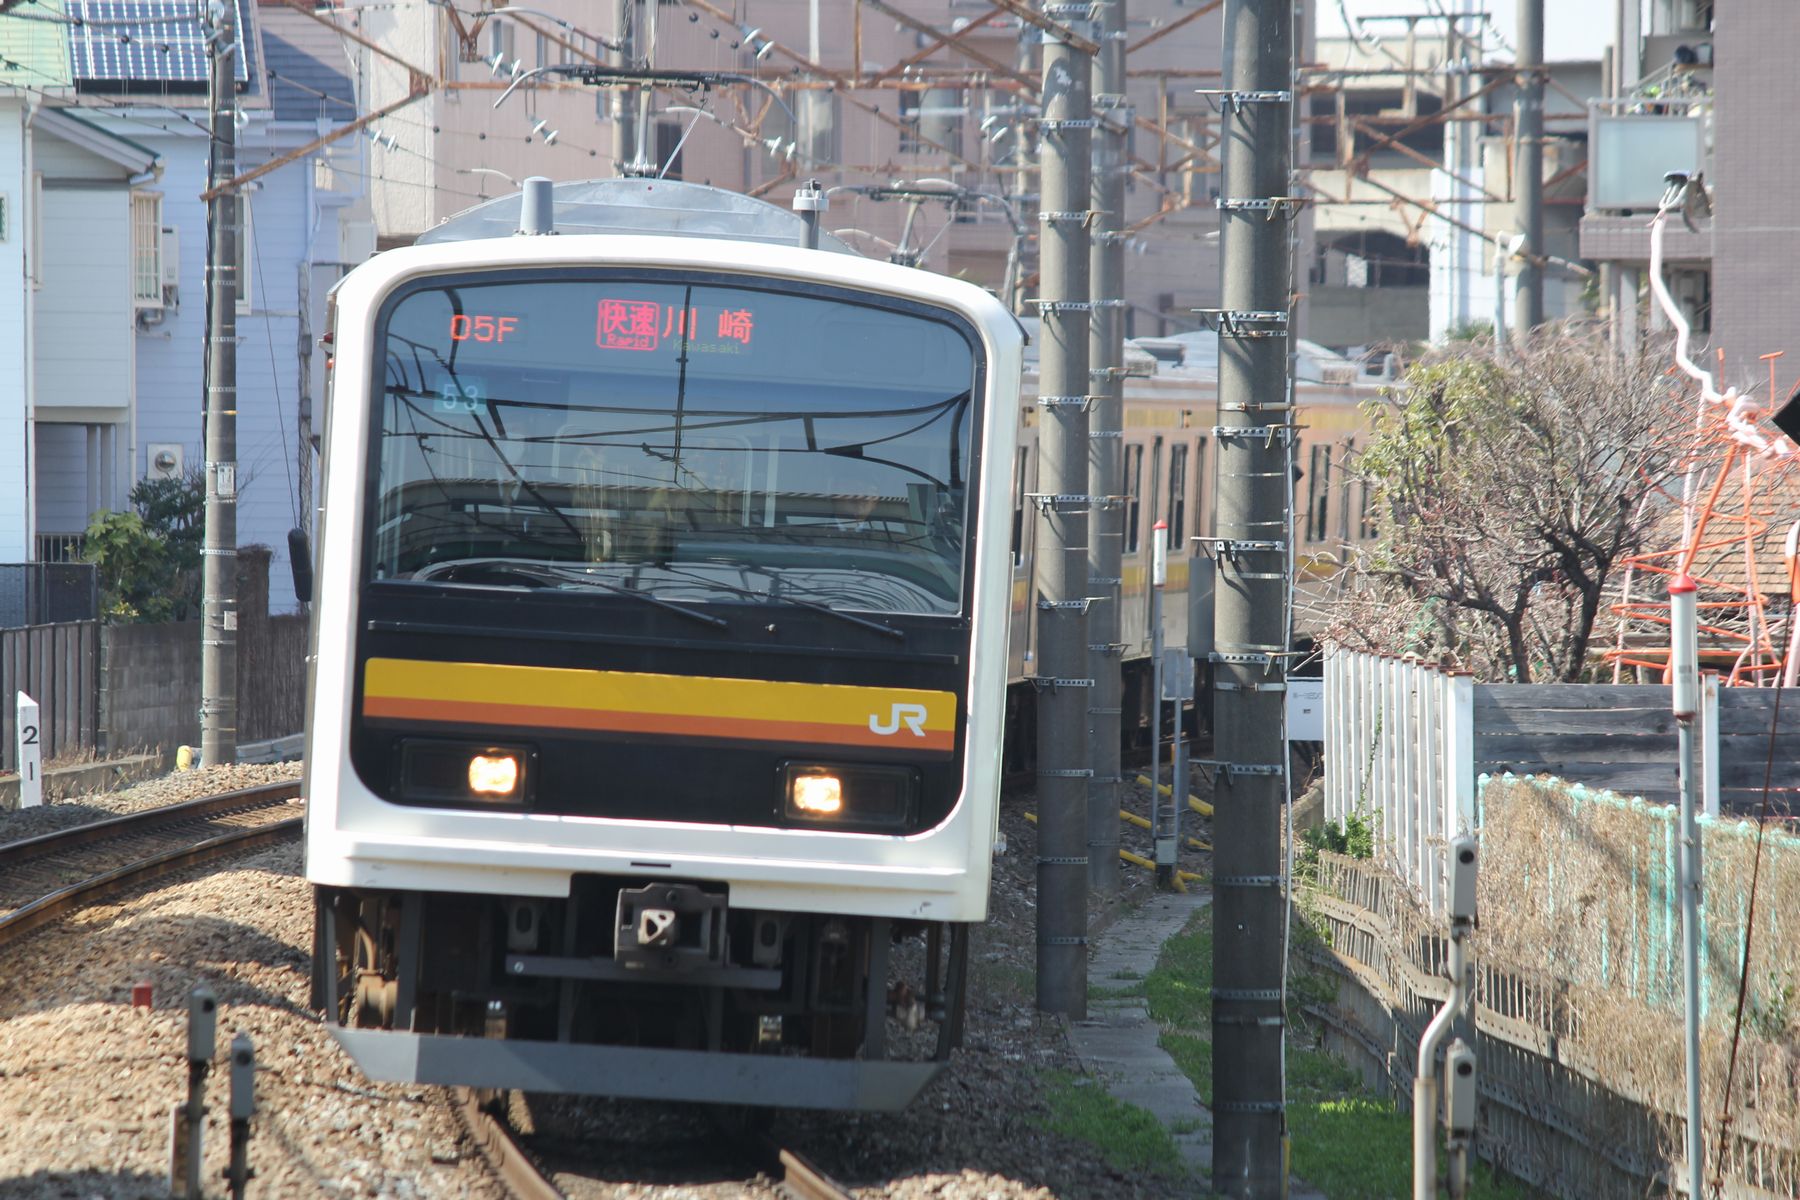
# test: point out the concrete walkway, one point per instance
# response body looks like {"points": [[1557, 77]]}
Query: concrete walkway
{"points": [[1118, 1040]]}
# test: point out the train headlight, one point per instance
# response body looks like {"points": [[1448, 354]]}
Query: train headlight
{"points": [[494, 774], [452, 772], [849, 795], [816, 794]]}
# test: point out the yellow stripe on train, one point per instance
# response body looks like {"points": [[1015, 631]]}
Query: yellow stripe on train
{"points": [[682, 705]]}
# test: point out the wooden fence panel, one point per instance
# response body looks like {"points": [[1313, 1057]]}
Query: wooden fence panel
{"points": [[1623, 738], [58, 666]]}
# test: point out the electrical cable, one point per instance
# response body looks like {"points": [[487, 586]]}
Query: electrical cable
{"points": [[262, 285]]}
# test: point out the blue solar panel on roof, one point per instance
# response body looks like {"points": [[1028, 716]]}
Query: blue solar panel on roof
{"points": [[144, 41]]}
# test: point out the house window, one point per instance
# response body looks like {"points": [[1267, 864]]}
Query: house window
{"points": [[146, 249], [1202, 510], [909, 123], [500, 40], [246, 255], [1177, 495], [668, 149], [1134, 477]]}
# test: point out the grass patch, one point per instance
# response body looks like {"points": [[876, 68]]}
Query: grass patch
{"points": [[1180, 988], [1005, 979], [1114, 993], [1350, 1144], [1129, 1138], [1193, 1055]]}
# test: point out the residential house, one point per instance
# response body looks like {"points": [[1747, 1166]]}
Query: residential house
{"points": [[104, 156]]}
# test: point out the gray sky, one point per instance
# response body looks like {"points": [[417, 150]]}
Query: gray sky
{"points": [[1573, 29]]}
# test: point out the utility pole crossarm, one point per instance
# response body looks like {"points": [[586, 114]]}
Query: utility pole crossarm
{"points": [[1060, 32], [419, 78], [1159, 34], [343, 131], [917, 26], [942, 41]]}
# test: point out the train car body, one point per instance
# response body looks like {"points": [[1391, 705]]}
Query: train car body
{"points": [[659, 655], [1171, 473]]}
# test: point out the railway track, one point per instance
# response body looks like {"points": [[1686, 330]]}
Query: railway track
{"points": [[795, 1176], [43, 879]]}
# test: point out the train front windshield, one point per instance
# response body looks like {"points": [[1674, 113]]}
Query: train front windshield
{"points": [[696, 439]]}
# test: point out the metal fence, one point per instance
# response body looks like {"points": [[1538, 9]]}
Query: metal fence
{"points": [[1406, 742], [1400, 753], [48, 593]]}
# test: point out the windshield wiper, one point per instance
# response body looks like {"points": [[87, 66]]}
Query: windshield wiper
{"points": [[774, 597], [553, 574]]}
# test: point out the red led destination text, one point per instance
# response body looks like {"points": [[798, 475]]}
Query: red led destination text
{"points": [[646, 325], [481, 327]]}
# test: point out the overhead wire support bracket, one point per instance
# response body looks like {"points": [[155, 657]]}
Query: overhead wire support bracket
{"points": [[1049, 683], [1231, 546], [1244, 322], [1061, 306], [1060, 501], [1224, 98], [1270, 206], [1082, 402], [1268, 433]]}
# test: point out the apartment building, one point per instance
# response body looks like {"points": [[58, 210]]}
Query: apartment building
{"points": [[849, 92], [1708, 93]]}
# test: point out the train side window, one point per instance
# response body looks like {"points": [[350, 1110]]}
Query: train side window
{"points": [[1327, 484], [1344, 490], [1318, 493], [1177, 495], [1202, 504], [1134, 478], [1155, 489], [1020, 483]]}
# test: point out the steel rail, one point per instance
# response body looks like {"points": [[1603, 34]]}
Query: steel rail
{"points": [[801, 1180], [517, 1173], [147, 820], [60, 903]]}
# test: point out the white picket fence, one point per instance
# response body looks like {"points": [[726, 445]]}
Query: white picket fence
{"points": [[1400, 753]]}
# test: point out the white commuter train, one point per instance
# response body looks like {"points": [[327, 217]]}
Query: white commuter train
{"points": [[659, 654]]}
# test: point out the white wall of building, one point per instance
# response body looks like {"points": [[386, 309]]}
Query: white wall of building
{"points": [[84, 311], [15, 297]]}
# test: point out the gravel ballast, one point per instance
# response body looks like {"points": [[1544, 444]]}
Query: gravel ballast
{"points": [[87, 1082]]}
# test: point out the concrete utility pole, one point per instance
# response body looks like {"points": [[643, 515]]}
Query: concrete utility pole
{"points": [[1528, 302], [1106, 448], [1250, 616], [626, 151], [218, 626], [1062, 677]]}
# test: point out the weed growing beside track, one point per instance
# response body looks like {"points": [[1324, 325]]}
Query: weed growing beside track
{"points": [[1347, 1141]]}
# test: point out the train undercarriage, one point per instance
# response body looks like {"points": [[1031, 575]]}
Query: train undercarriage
{"points": [[636, 988]]}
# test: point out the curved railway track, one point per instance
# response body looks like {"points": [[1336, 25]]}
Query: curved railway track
{"points": [[43, 879], [796, 1177]]}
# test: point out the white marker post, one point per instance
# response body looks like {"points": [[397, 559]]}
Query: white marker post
{"points": [[31, 753]]}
